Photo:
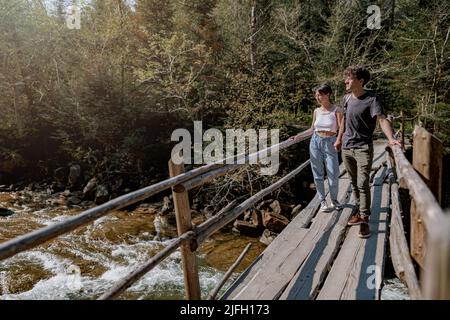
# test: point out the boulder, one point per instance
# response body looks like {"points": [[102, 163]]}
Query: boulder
{"points": [[60, 175], [74, 175], [73, 200], [89, 189], [247, 228], [267, 237], [4, 212], [280, 208], [86, 203], [276, 207], [167, 206], [257, 218], [274, 222], [101, 195], [264, 204]]}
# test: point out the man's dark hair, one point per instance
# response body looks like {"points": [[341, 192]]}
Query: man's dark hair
{"points": [[323, 89], [360, 72]]}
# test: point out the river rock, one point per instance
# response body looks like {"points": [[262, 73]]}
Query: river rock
{"points": [[60, 175], [267, 237], [247, 228], [89, 189], [87, 203], [276, 207], [274, 222], [167, 206], [264, 204], [101, 195], [73, 200], [74, 175], [281, 208], [254, 216], [4, 212]]}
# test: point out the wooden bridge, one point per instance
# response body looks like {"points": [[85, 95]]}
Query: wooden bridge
{"points": [[317, 256]]}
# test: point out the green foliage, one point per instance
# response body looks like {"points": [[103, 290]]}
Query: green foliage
{"points": [[119, 86]]}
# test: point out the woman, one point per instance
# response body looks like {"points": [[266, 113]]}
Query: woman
{"points": [[323, 148]]}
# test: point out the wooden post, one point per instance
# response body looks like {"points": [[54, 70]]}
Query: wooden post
{"points": [[183, 216], [436, 278], [427, 161]]}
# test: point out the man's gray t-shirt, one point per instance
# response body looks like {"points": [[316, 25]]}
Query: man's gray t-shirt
{"points": [[360, 119]]}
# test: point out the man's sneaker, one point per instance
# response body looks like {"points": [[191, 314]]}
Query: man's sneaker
{"points": [[336, 205], [364, 229], [355, 219], [324, 207]]}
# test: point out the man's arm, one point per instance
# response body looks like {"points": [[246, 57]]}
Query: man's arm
{"points": [[387, 129]]}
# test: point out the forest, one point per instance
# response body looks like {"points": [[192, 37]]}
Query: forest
{"points": [[103, 83]]}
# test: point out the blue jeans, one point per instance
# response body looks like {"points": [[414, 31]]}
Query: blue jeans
{"points": [[324, 155]]}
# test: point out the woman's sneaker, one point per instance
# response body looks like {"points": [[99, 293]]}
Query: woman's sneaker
{"points": [[337, 205], [324, 207]]}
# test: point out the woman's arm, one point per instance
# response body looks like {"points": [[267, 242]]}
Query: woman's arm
{"points": [[309, 131], [341, 126]]}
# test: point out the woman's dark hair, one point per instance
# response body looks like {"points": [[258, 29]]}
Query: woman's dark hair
{"points": [[323, 89]]}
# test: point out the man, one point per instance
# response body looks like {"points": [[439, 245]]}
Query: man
{"points": [[362, 109]]}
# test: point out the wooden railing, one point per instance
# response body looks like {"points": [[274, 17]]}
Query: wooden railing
{"points": [[430, 226], [189, 238]]}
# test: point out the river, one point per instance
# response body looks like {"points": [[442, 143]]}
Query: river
{"points": [[87, 262]]}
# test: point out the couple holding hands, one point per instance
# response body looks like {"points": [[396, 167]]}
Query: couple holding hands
{"points": [[350, 128]]}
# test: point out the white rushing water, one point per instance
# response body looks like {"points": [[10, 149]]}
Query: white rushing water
{"points": [[85, 264], [66, 281]]}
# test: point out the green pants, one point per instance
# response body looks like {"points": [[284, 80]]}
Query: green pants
{"points": [[358, 162]]}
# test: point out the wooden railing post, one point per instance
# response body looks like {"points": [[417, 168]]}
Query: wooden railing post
{"points": [[183, 216], [436, 277], [427, 161]]}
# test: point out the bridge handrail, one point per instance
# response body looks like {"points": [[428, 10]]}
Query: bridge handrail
{"points": [[424, 199], [203, 174], [436, 272]]}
